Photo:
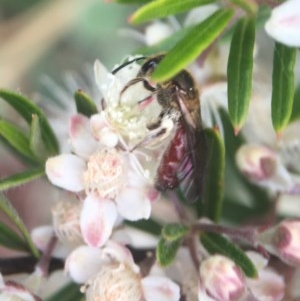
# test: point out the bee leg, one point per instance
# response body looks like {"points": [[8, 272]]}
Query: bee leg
{"points": [[159, 131]]}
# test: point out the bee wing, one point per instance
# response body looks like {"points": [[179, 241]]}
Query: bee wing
{"points": [[191, 172]]}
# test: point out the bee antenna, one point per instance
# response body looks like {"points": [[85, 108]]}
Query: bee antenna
{"points": [[128, 63], [136, 80]]}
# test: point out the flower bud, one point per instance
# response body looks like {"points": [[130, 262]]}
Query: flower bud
{"points": [[263, 166], [283, 241], [222, 279], [256, 162]]}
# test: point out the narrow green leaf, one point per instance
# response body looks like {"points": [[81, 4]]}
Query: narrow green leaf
{"points": [[217, 244], [166, 251], [84, 104], [16, 139], [282, 85], [248, 6], [163, 8], [11, 240], [26, 108], [192, 45], [296, 105], [239, 71], [70, 292], [174, 231], [21, 178], [12, 214], [214, 182], [248, 199], [37, 143]]}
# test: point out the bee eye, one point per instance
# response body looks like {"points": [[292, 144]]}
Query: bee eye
{"points": [[149, 66]]}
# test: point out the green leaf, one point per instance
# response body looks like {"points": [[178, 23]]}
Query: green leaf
{"points": [[21, 178], [26, 108], [217, 244], [70, 292], [166, 251], [163, 8], [239, 71], [192, 45], [174, 231], [296, 105], [214, 181], [84, 104], [16, 139], [148, 225], [242, 199], [12, 214], [37, 143], [248, 6], [282, 85], [10, 240]]}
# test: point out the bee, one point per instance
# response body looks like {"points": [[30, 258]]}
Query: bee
{"points": [[184, 160]]}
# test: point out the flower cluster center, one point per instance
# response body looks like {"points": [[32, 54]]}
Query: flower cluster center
{"points": [[104, 173]]}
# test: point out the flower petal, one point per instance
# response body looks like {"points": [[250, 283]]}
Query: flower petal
{"points": [[118, 252], [81, 137], [66, 171], [283, 25], [97, 220], [108, 84], [102, 132], [268, 286], [133, 204], [83, 263], [160, 288]]}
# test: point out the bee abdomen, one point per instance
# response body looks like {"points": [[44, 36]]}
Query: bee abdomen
{"points": [[167, 177]]}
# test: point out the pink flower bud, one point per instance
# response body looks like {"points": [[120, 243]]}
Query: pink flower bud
{"points": [[264, 167], [256, 162], [287, 241], [283, 240], [222, 279]]}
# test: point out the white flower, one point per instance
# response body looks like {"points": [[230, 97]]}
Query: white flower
{"points": [[116, 176], [110, 274], [269, 285], [284, 23]]}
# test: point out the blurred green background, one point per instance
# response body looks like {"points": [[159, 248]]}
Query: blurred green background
{"points": [[51, 37]]}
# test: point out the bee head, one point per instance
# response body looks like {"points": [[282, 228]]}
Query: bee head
{"points": [[149, 66]]}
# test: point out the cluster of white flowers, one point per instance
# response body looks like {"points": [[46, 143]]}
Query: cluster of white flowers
{"points": [[110, 175], [115, 176]]}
